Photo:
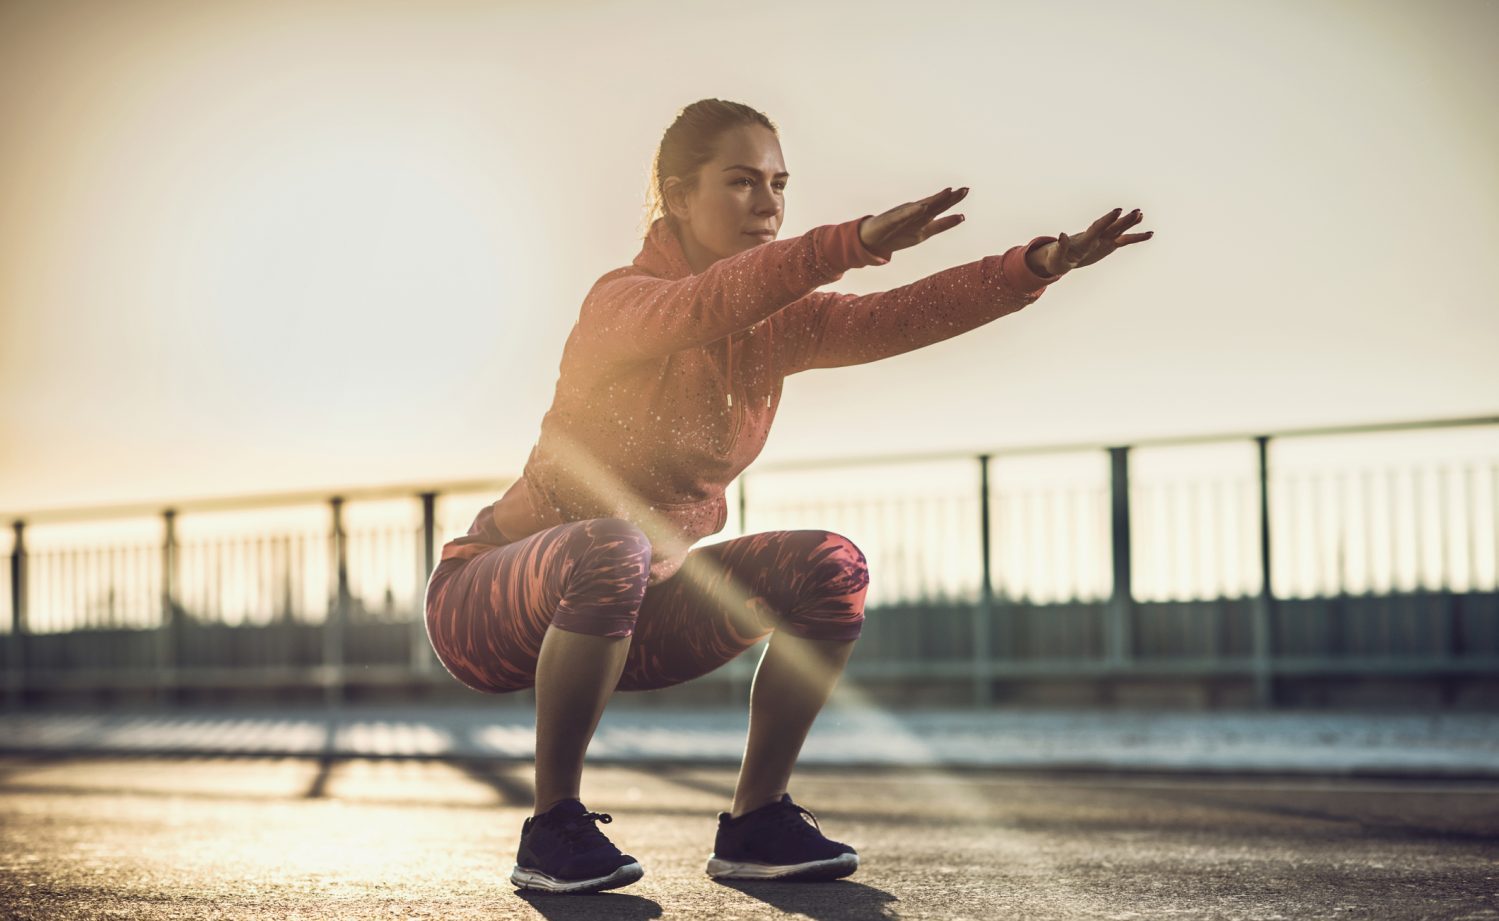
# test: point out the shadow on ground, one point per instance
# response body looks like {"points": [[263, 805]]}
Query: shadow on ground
{"points": [[556, 906], [836, 901]]}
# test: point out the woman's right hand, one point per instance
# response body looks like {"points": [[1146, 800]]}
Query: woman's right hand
{"points": [[909, 224]]}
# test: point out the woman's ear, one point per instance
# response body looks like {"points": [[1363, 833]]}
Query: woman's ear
{"points": [[674, 196]]}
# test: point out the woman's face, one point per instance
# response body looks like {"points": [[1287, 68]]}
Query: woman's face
{"points": [[739, 199]]}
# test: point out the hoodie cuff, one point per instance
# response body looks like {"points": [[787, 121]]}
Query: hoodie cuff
{"points": [[850, 251], [1018, 274]]}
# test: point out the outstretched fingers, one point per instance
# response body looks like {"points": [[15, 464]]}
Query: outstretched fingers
{"points": [[916, 217], [934, 205], [1101, 226], [941, 224], [1124, 223]]}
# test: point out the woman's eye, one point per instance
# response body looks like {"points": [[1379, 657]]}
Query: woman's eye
{"points": [[778, 186]]}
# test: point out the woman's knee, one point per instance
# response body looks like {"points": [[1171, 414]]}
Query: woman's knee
{"points": [[841, 566], [611, 561], [830, 589]]}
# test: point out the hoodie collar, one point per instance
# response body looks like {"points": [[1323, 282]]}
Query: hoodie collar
{"points": [[661, 254]]}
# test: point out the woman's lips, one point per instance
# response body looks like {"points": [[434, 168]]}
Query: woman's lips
{"points": [[762, 234]]}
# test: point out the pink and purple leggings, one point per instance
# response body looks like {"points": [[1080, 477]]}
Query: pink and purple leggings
{"points": [[486, 615]]}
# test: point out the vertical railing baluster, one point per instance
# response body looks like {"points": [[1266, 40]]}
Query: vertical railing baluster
{"points": [[1470, 525], [168, 631], [1077, 542], [741, 668], [15, 665], [1193, 573], [421, 654], [1447, 615], [1494, 521], [983, 660], [116, 584], [741, 498], [1366, 499], [336, 618], [1120, 633], [1264, 608], [1337, 609]]}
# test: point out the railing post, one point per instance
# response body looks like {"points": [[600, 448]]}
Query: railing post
{"points": [[168, 632], [1119, 635], [337, 617], [1449, 626], [1262, 627], [421, 647], [15, 665], [983, 615], [741, 669]]}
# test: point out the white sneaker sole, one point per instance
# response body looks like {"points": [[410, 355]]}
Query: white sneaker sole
{"points": [[527, 878], [834, 868]]}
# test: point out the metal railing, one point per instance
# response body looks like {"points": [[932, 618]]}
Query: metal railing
{"points": [[1057, 560]]}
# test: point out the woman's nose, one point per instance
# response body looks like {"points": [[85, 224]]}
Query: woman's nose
{"points": [[767, 204]]}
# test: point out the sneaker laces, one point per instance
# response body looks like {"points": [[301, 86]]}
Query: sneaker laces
{"points": [[582, 829], [793, 817]]}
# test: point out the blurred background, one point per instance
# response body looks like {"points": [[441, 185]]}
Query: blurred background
{"points": [[284, 286]]}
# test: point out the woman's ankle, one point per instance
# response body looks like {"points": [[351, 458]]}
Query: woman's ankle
{"points": [[544, 805], [736, 811]]}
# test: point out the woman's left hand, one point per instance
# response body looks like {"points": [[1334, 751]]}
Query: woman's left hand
{"points": [[1100, 239]]}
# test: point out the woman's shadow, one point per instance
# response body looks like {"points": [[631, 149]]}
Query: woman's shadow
{"points": [[835, 901], [613, 905], [824, 901]]}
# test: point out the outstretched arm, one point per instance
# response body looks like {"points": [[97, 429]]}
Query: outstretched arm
{"points": [[829, 330], [628, 316], [1101, 238]]}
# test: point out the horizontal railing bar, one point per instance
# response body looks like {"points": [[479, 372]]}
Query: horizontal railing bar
{"points": [[1150, 667], [255, 501], [230, 677], [312, 497], [1163, 441], [319, 676]]}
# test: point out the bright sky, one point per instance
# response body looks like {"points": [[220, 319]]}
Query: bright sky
{"points": [[259, 246]]}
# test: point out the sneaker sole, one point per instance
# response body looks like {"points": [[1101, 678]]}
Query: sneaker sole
{"points": [[528, 878], [835, 868]]}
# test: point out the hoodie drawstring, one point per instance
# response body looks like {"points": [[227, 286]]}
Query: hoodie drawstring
{"points": [[728, 393]]}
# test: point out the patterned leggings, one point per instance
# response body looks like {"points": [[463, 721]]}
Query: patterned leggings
{"points": [[486, 615]]}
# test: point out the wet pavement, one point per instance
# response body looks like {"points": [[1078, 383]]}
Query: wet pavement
{"points": [[212, 836]]}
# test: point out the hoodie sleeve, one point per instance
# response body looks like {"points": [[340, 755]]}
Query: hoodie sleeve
{"points": [[826, 329], [629, 316]]}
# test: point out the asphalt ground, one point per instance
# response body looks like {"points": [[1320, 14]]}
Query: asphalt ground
{"points": [[306, 838]]}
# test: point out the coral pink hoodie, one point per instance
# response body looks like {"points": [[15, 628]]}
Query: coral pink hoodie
{"points": [[669, 380]]}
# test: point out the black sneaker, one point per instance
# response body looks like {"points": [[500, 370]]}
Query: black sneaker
{"points": [[562, 850], [777, 842]]}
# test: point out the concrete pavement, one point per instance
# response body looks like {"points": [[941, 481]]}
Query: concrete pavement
{"points": [[199, 837]]}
